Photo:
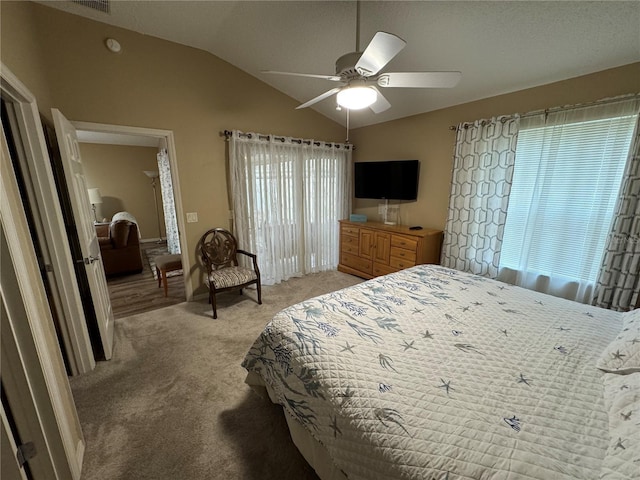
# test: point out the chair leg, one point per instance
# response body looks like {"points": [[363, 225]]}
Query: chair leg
{"points": [[158, 274], [166, 283], [240, 291], [214, 306], [259, 293]]}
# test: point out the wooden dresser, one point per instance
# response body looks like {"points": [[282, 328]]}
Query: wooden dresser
{"points": [[369, 249]]}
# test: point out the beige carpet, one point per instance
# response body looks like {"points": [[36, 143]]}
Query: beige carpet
{"points": [[172, 403]]}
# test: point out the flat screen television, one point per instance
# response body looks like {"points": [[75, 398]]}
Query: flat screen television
{"points": [[391, 179]]}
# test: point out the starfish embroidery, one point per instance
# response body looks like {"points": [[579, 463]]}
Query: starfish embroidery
{"points": [[626, 416], [417, 310], [502, 303], [463, 289], [501, 287], [465, 309], [506, 334], [589, 314], [408, 346], [561, 349], [334, 426], [562, 329], [427, 334], [477, 304], [347, 347], [539, 302], [524, 380], [624, 387], [618, 355], [635, 340], [446, 385], [619, 444]]}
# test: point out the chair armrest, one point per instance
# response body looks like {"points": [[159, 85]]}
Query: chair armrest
{"points": [[254, 257], [248, 254]]}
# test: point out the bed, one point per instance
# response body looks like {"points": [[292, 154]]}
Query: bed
{"points": [[432, 373]]}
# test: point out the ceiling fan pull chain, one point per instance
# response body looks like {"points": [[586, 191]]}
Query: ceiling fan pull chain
{"points": [[347, 141]]}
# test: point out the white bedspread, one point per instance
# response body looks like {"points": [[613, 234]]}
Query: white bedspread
{"points": [[431, 373]]}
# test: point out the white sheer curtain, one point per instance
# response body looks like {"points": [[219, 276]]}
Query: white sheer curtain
{"points": [[288, 196], [568, 170], [168, 202]]}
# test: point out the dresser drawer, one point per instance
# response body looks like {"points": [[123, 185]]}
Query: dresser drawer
{"points": [[403, 253], [349, 230], [349, 240], [401, 263], [358, 263], [350, 247], [404, 242]]}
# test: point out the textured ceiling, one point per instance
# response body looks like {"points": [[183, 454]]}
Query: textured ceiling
{"points": [[499, 47]]}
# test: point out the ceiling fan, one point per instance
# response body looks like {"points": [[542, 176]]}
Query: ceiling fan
{"points": [[360, 73]]}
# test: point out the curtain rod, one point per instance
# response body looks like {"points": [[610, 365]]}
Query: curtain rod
{"points": [[547, 111], [228, 133]]}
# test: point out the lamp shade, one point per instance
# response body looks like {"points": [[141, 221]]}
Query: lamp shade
{"points": [[151, 173], [356, 98], [94, 196]]}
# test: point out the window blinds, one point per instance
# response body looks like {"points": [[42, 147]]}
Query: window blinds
{"points": [[566, 180]]}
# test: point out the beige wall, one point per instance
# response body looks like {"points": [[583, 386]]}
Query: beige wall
{"points": [[117, 170], [154, 84], [427, 136]]}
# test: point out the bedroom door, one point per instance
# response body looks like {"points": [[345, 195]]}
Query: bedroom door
{"points": [[79, 196]]}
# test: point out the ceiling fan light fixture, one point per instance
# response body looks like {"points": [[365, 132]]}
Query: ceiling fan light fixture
{"points": [[356, 98]]}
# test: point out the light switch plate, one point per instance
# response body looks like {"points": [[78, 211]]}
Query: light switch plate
{"points": [[192, 217]]}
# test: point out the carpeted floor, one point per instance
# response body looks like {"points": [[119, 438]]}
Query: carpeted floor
{"points": [[172, 403]]}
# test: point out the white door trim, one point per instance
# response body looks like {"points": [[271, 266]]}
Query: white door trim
{"points": [[159, 134], [28, 320], [79, 351]]}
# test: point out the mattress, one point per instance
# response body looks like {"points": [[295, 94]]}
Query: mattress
{"points": [[435, 373]]}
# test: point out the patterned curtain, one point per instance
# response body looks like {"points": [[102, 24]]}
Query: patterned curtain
{"points": [[482, 174], [619, 279], [168, 203]]}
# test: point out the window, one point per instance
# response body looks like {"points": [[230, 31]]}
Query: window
{"points": [[566, 179]]}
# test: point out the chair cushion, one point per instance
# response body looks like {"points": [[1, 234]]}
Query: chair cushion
{"points": [[231, 277], [168, 262]]}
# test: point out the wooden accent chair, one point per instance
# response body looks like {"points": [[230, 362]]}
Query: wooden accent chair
{"points": [[219, 249]]}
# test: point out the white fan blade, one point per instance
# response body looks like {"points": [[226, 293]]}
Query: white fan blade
{"points": [[382, 48], [319, 98], [419, 79], [333, 78], [381, 104]]}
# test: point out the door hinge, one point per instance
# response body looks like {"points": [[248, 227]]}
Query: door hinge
{"points": [[26, 452]]}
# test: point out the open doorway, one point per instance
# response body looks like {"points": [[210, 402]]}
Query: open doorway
{"points": [[126, 174]]}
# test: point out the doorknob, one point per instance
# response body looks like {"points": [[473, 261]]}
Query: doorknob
{"points": [[89, 260]]}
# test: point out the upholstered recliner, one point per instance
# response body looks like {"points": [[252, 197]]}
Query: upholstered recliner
{"points": [[119, 247], [219, 250]]}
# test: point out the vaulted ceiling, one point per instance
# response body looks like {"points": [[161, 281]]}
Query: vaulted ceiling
{"points": [[499, 47]]}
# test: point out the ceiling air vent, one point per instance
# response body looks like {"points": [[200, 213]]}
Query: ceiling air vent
{"points": [[100, 5]]}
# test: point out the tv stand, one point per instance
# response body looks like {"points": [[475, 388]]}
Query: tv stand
{"points": [[371, 249]]}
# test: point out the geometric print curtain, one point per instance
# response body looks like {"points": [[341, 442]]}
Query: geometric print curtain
{"points": [[168, 203], [619, 278], [482, 175]]}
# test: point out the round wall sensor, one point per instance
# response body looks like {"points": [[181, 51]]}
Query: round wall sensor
{"points": [[113, 45]]}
